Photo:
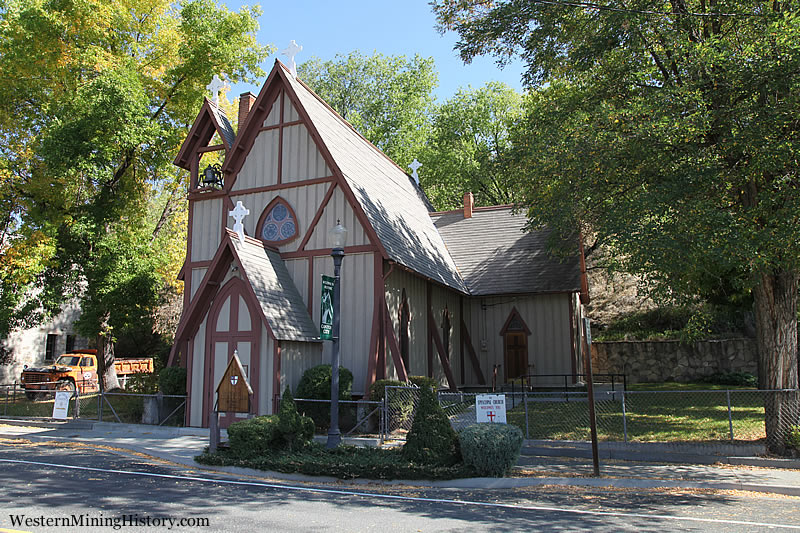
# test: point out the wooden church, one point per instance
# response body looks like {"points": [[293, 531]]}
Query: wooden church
{"points": [[457, 295]]}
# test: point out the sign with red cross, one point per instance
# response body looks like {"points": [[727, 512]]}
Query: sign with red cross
{"points": [[490, 408]]}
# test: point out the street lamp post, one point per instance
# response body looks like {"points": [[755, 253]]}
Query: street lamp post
{"points": [[338, 234]]}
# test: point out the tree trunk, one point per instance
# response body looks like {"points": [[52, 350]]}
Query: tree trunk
{"points": [[106, 371], [775, 296]]}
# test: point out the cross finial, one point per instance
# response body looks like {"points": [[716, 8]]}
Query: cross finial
{"points": [[292, 50], [216, 86], [238, 214], [415, 165]]}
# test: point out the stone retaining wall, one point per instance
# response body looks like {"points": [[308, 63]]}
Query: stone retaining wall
{"points": [[653, 361]]}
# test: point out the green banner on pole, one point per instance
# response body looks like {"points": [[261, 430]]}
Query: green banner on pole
{"points": [[326, 311]]}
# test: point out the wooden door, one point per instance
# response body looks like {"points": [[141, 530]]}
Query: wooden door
{"points": [[516, 355], [232, 326]]}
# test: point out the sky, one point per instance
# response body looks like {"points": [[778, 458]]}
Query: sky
{"points": [[389, 27]]}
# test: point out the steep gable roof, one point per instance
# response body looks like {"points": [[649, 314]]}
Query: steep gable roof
{"points": [[393, 206], [280, 303], [278, 297], [496, 255], [211, 119]]}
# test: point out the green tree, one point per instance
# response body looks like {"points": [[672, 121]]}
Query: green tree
{"points": [[669, 130], [386, 99], [95, 98], [467, 147]]}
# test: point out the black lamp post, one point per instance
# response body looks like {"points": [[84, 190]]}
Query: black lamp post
{"points": [[338, 235]]}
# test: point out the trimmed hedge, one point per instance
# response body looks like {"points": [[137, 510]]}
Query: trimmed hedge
{"points": [[262, 435], [377, 391], [432, 439], [424, 381], [345, 462], [491, 449], [316, 383]]}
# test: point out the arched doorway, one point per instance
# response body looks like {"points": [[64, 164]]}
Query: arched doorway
{"points": [[232, 326], [515, 335]]}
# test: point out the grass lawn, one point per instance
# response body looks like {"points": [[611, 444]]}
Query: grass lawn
{"points": [[694, 414]]}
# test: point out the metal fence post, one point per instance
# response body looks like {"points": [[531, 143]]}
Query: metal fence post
{"points": [[100, 407], [730, 418], [525, 401], [76, 412], [624, 420]]}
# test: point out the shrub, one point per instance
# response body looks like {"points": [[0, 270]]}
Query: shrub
{"points": [[377, 391], [254, 436], [424, 381], [316, 385], [738, 379], [261, 435], [432, 439], [491, 449], [172, 380], [296, 430], [792, 438]]}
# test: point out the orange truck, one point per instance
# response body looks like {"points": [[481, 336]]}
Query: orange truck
{"points": [[77, 370]]}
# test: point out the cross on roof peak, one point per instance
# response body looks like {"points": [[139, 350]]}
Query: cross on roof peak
{"points": [[238, 214], [414, 166], [291, 51], [217, 84]]}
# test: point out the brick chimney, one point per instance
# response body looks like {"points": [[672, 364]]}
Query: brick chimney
{"points": [[469, 203], [246, 101]]}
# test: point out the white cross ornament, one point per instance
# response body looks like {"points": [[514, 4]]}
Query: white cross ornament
{"points": [[238, 214], [216, 86], [292, 50], [415, 165]]}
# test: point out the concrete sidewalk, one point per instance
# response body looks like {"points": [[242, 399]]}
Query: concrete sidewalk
{"points": [[542, 462]]}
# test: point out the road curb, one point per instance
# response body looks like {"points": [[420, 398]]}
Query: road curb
{"points": [[467, 483]]}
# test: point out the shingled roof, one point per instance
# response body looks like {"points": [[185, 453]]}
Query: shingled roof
{"points": [[394, 205], [280, 301], [224, 128], [495, 254]]}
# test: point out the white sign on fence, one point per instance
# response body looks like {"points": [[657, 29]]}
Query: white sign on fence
{"points": [[61, 405], [491, 408]]}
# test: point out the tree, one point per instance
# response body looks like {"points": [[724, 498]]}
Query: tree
{"points": [[467, 147], [94, 100], [669, 130], [386, 99]]}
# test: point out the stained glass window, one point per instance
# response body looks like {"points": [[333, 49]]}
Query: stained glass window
{"points": [[279, 224]]}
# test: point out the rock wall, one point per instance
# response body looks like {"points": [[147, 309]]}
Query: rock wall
{"points": [[653, 361]]}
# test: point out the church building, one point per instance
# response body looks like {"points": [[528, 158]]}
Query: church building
{"points": [[466, 296]]}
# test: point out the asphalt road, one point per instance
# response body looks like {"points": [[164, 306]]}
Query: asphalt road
{"points": [[101, 488]]}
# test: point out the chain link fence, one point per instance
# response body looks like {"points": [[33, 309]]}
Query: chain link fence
{"points": [[356, 417], [622, 416], [122, 407]]}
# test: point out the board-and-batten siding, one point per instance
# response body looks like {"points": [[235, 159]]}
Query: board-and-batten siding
{"points": [[547, 317], [298, 269], [357, 275], [415, 288], [442, 298], [261, 166], [198, 373], [266, 372], [196, 278], [296, 358], [206, 228], [338, 209], [301, 160]]}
